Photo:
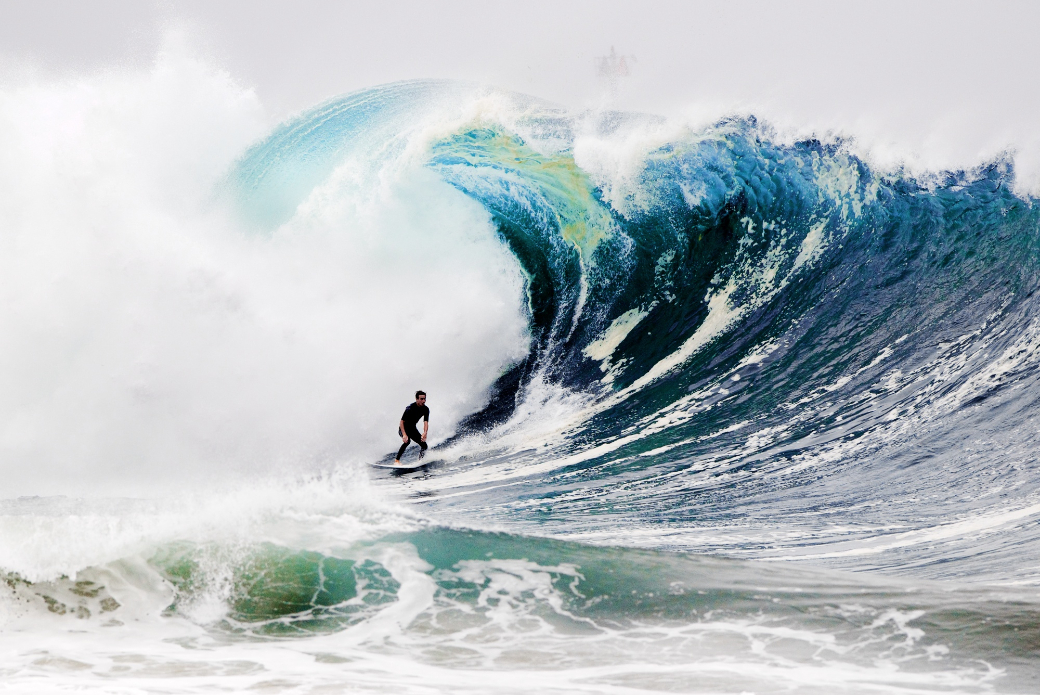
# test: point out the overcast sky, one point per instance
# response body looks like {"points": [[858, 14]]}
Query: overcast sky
{"points": [[946, 81]]}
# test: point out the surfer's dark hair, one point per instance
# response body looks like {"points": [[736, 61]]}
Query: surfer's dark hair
{"points": [[420, 393]]}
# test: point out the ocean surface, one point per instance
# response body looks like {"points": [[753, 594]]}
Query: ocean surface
{"points": [[714, 409]]}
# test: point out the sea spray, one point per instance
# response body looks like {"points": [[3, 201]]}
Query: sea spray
{"points": [[154, 339]]}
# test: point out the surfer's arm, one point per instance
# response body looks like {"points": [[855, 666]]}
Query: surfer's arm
{"points": [[400, 428], [425, 429]]}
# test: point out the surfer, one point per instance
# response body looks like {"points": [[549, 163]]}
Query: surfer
{"points": [[409, 420]]}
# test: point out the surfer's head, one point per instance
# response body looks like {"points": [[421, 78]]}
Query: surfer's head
{"points": [[420, 397]]}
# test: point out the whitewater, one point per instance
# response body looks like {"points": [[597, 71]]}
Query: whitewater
{"points": [[715, 408]]}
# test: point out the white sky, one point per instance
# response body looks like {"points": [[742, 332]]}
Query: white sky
{"points": [[940, 83]]}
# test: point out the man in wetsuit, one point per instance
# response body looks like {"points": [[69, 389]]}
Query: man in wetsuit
{"points": [[409, 420]]}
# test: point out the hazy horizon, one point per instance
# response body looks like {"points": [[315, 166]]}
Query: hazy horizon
{"points": [[940, 85]]}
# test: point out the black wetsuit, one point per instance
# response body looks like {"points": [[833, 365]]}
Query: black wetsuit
{"points": [[411, 417]]}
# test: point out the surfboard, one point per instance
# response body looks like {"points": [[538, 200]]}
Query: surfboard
{"points": [[410, 466]]}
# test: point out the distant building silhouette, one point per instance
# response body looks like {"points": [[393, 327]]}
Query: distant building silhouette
{"points": [[612, 68]]}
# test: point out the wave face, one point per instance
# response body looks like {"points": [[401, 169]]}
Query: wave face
{"points": [[751, 363], [757, 337]]}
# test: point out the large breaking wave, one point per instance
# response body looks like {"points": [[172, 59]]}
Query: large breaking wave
{"points": [[737, 343], [758, 337]]}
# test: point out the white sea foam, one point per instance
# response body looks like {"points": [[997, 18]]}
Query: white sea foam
{"points": [[512, 629], [42, 538]]}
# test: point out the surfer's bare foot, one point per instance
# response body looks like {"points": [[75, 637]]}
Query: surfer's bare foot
{"points": [[396, 462]]}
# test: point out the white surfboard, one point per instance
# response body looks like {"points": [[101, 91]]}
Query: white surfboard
{"points": [[409, 466]]}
